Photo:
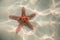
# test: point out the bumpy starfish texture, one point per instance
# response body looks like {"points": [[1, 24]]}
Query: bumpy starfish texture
{"points": [[23, 19]]}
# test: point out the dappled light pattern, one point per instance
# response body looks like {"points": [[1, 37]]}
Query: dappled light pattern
{"points": [[46, 21]]}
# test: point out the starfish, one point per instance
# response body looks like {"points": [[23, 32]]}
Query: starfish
{"points": [[23, 20]]}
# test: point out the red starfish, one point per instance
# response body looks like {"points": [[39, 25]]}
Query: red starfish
{"points": [[23, 19]]}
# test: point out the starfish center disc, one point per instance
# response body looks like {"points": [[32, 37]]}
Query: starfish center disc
{"points": [[24, 18]]}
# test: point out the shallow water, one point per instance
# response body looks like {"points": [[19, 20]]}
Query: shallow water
{"points": [[46, 21]]}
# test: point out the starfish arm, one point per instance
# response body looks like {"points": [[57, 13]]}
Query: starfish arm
{"points": [[18, 28], [29, 25], [31, 16], [13, 17], [23, 11]]}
